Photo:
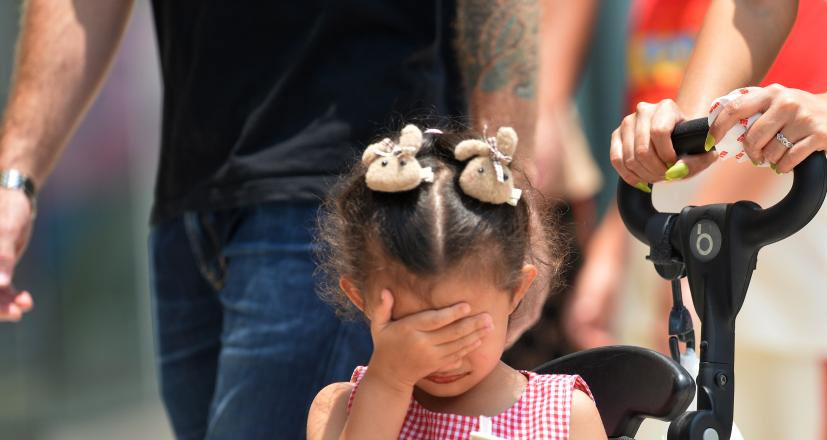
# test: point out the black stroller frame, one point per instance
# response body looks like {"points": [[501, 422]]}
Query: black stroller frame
{"points": [[716, 247]]}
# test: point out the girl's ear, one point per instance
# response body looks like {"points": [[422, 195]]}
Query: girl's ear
{"points": [[529, 273], [349, 287]]}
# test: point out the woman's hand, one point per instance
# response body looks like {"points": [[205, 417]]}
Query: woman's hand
{"points": [[411, 348], [642, 151], [801, 117]]}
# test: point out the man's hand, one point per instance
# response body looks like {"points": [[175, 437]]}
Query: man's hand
{"points": [[15, 229], [411, 348]]}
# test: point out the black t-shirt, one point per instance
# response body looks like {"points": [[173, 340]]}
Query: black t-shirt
{"points": [[270, 100]]}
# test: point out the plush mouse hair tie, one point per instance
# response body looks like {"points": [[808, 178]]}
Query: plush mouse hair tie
{"points": [[392, 167], [487, 176]]}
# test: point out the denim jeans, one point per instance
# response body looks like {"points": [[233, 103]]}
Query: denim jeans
{"points": [[243, 341]]}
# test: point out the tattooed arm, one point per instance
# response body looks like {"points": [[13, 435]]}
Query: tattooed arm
{"points": [[520, 61], [497, 43]]}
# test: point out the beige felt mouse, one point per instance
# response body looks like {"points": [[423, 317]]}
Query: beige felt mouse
{"points": [[393, 167], [487, 176]]}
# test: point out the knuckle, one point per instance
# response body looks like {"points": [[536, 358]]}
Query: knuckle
{"points": [[731, 109], [786, 103], [661, 130], [643, 107], [641, 150], [808, 119], [751, 149]]}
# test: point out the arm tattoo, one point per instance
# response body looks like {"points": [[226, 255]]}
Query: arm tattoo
{"points": [[497, 45]]}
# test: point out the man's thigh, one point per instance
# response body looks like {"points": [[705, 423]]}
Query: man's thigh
{"points": [[187, 318], [280, 342]]}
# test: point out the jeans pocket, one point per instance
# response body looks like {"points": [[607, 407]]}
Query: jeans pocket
{"points": [[206, 248]]}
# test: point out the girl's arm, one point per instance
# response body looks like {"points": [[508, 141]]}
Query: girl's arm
{"points": [[585, 420], [378, 411], [405, 350], [328, 412]]}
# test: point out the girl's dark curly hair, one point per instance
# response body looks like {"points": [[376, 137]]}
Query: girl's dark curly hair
{"points": [[435, 228]]}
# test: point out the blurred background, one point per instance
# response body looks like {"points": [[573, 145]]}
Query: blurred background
{"points": [[81, 365]]}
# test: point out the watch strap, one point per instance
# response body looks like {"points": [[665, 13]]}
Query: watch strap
{"points": [[14, 179]]}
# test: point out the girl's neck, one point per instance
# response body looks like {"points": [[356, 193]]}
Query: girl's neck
{"points": [[497, 392]]}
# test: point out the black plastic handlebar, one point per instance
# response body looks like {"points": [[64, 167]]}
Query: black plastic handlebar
{"points": [[716, 247], [767, 225]]}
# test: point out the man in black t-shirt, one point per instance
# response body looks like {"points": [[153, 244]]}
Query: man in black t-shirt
{"points": [[264, 103]]}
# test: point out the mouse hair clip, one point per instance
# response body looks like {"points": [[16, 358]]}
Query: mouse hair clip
{"points": [[392, 167], [487, 176]]}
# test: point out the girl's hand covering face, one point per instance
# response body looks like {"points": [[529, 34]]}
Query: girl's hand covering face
{"points": [[411, 348], [799, 116]]}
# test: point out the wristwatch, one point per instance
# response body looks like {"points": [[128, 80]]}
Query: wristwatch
{"points": [[14, 179]]}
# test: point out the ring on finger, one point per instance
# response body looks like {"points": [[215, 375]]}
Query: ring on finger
{"points": [[784, 141]]}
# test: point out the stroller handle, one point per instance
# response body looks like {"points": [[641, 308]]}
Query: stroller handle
{"points": [[764, 226]]}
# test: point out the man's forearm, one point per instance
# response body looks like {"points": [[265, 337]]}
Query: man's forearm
{"points": [[497, 45], [65, 48], [737, 45]]}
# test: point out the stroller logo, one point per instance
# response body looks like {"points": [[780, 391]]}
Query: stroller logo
{"points": [[705, 240]]}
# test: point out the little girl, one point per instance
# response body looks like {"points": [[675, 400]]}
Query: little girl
{"points": [[431, 242]]}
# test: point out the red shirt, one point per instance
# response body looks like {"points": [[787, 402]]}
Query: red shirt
{"points": [[663, 35]]}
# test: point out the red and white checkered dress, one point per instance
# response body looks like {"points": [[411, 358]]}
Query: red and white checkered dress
{"points": [[543, 412]]}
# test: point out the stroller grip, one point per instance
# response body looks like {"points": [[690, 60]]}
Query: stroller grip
{"points": [[764, 226]]}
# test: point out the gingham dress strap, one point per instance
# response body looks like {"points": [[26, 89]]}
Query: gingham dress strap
{"points": [[355, 379]]}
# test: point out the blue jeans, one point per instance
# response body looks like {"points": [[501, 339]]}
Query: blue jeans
{"points": [[244, 343]]}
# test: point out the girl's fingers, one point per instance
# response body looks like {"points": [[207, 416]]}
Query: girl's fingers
{"points": [[746, 105], [461, 328], [664, 119], [434, 319], [380, 316], [453, 365], [455, 356], [462, 344], [798, 153]]}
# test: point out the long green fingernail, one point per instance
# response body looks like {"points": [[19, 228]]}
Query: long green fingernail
{"points": [[756, 163], [677, 171], [710, 142], [643, 187], [774, 167]]}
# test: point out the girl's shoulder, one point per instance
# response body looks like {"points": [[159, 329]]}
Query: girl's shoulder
{"points": [[573, 401], [329, 409], [556, 383]]}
